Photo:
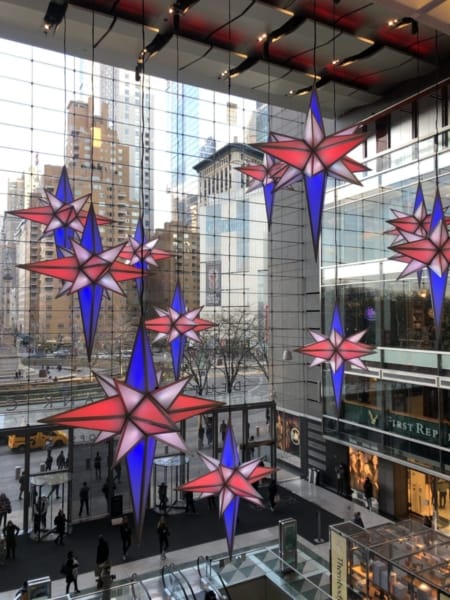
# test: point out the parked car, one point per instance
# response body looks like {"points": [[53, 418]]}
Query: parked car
{"points": [[38, 440]]}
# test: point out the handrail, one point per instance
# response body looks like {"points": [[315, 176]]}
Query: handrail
{"points": [[171, 570], [135, 579], [209, 570]]}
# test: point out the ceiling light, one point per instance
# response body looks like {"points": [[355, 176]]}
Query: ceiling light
{"points": [[365, 40], [158, 42], [56, 11], [262, 37], [289, 27], [182, 6], [245, 64], [404, 22]]}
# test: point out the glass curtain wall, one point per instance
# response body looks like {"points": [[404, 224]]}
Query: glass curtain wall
{"points": [[118, 141]]}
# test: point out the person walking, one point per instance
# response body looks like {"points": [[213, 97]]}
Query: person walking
{"points": [[49, 462], [357, 520], [341, 479], [98, 466], [5, 508], [10, 531], [368, 492], [102, 554], [60, 526], [125, 534], [163, 534], [118, 472], [70, 569], [162, 495], [60, 461], [21, 485], [273, 493], [223, 430], [201, 436], [189, 497], [105, 489], [84, 498]]}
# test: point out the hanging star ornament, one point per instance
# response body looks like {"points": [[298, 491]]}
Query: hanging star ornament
{"points": [[231, 481], [272, 175], [336, 349], [429, 248], [318, 156], [141, 412], [177, 323], [141, 253], [61, 214], [88, 270]]}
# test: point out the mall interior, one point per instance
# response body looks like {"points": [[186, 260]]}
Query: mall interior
{"points": [[284, 168]]}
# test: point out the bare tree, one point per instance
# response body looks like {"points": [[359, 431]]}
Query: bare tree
{"points": [[260, 353], [198, 360]]}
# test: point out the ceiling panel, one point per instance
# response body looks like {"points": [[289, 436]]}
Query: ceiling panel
{"points": [[214, 35]]}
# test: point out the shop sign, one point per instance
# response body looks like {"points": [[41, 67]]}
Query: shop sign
{"points": [[413, 428], [366, 415], [338, 545]]}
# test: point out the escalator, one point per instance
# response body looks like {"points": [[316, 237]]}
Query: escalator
{"points": [[211, 579]]}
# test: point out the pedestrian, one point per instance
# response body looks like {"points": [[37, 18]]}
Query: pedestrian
{"points": [[70, 570], [5, 508], [10, 531], [105, 489], [84, 498], [61, 460], [341, 476], [273, 493], [209, 432], [125, 534], [21, 485], [48, 443], [443, 488], [357, 520], [162, 495], [98, 466], [223, 430], [201, 436], [60, 527], [368, 492], [49, 462], [189, 498], [40, 508], [163, 534], [105, 581], [102, 555]]}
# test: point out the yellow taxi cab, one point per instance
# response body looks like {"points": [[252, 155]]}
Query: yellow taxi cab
{"points": [[39, 440]]}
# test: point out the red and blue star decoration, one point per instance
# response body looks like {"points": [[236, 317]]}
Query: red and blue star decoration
{"points": [[336, 349], [272, 175], [177, 324], [317, 156], [231, 481], [61, 214], [88, 270], [428, 247], [141, 412], [141, 253]]}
